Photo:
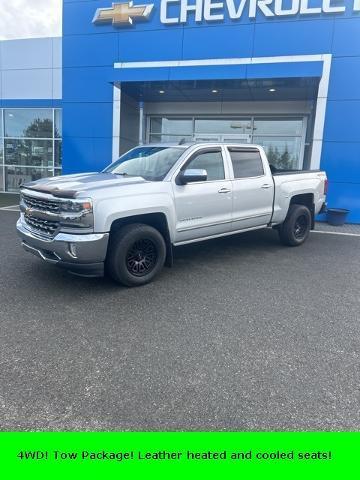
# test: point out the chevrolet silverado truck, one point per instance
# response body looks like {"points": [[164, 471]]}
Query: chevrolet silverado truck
{"points": [[126, 220]]}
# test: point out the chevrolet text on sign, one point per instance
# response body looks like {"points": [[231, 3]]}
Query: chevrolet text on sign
{"points": [[179, 11]]}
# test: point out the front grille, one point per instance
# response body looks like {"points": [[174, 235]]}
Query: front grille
{"points": [[41, 204], [45, 227]]}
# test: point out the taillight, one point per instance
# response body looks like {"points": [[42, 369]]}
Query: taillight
{"points": [[326, 186]]}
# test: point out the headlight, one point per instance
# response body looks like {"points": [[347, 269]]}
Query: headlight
{"points": [[77, 213], [77, 206]]}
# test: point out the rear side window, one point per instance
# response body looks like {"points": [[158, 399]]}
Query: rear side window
{"points": [[246, 163]]}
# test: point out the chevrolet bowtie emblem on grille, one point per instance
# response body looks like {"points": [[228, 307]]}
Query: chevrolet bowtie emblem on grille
{"points": [[122, 14]]}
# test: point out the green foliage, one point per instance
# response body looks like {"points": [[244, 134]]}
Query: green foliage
{"points": [[40, 128], [280, 160]]}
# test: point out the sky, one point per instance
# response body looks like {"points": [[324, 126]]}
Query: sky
{"points": [[30, 18]]}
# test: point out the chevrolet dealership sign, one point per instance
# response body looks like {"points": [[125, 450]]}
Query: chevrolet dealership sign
{"points": [[179, 11]]}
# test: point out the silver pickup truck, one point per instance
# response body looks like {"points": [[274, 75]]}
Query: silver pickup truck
{"points": [[127, 219]]}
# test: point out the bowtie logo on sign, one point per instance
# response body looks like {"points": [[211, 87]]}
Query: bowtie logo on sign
{"points": [[123, 14], [180, 11]]}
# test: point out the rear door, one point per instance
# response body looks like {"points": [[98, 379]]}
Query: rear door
{"points": [[252, 186], [204, 209]]}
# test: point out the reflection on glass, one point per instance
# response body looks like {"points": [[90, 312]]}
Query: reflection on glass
{"points": [[58, 124], [212, 162], [282, 152], [37, 153], [169, 138], [58, 153], [28, 122], [223, 126], [16, 176], [273, 126], [30, 138], [149, 162], [174, 126]]}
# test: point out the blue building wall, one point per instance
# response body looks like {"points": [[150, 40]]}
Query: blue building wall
{"points": [[90, 51]]}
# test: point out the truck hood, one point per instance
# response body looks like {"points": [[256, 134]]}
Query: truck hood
{"points": [[71, 186]]}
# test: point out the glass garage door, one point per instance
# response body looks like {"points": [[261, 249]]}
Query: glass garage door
{"points": [[283, 138]]}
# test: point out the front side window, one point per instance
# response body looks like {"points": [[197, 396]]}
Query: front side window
{"points": [[150, 163], [246, 163], [211, 161]]}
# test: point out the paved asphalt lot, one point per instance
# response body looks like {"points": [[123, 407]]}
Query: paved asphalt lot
{"points": [[242, 334]]}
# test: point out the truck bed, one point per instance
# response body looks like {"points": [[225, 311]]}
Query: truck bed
{"points": [[297, 182]]}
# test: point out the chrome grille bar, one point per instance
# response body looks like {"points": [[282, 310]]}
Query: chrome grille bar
{"points": [[44, 226], [41, 204]]}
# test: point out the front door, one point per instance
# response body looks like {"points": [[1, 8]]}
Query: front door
{"points": [[204, 208]]}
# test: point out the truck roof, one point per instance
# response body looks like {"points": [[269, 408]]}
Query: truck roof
{"points": [[205, 144]]}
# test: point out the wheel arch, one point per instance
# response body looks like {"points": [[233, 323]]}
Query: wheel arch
{"points": [[306, 199], [156, 220]]}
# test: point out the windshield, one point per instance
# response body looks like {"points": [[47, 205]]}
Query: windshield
{"points": [[150, 163]]}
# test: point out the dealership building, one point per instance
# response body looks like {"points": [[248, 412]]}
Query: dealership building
{"points": [[284, 74]]}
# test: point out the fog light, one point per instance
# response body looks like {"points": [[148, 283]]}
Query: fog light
{"points": [[73, 250]]}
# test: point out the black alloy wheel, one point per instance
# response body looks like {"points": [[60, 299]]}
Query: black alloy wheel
{"points": [[136, 254], [296, 228], [300, 227], [141, 257]]}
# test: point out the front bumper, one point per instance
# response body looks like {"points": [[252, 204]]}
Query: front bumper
{"points": [[80, 254]]}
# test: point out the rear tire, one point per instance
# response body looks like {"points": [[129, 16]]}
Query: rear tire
{"points": [[136, 255], [296, 228]]}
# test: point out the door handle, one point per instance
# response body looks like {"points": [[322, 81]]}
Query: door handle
{"points": [[224, 190], [266, 185]]}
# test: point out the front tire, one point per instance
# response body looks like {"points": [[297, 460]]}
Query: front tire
{"points": [[296, 228], [136, 255]]}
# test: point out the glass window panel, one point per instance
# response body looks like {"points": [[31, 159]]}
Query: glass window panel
{"points": [[27, 122], [246, 163], [207, 138], [156, 125], [1, 152], [16, 176], [175, 126], [212, 162], [36, 153], [169, 138], [58, 153], [58, 124], [283, 126], [282, 152], [57, 172], [155, 139], [1, 179], [222, 126]]}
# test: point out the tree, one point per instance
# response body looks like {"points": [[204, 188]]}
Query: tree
{"points": [[40, 128], [285, 160]]}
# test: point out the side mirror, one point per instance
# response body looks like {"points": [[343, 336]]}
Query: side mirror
{"points": [[192, 175]]}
